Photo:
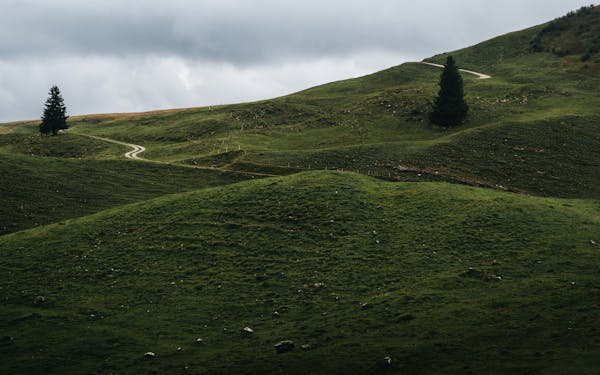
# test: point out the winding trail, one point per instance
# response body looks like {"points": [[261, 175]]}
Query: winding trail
{"points": [[480, 75], [137, 149], [133, 154]]}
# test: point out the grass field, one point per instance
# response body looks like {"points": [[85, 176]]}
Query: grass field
{"points": [[57, 178], [358, 269], [465, 250]]}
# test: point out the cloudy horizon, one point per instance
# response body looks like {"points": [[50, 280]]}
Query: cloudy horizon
{"points": [[130, 56]]}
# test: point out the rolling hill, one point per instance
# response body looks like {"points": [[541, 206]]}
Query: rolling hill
{"points": [[440, 277], [336, 217]]}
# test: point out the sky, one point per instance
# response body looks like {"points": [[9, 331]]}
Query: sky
{"points": [[111, 56]]}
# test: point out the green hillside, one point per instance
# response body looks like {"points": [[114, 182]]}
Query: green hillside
{"points": [[358, 269], [377, 125], [337, 217], [38, 189]]}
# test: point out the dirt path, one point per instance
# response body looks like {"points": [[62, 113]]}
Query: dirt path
{"points": [[137, 149], [133, 154], [480, 75]]}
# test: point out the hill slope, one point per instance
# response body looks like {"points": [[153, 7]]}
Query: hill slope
{"points": [[377, 125], [421, 260], [46, 180], [443, 278]]}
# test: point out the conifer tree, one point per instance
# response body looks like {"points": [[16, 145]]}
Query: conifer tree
{"points": [[55, 113], [450, 107]]}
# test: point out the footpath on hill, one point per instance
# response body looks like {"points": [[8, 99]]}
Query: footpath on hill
{"points": [[133, 154], [480, 75], [138, 149]]}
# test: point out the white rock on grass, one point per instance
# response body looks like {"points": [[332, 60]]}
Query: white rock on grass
{"points": [[149, 355]]}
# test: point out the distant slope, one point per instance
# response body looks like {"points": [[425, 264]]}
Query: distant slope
{"points": [[377, 124], [442, 278], [42, 190], [576, 36]]}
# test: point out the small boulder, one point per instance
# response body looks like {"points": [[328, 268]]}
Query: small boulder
{"points": [[199, 341], [284, 346], [149, 355], [385, 362], [39, 300], [306, 347], [247, 331]]}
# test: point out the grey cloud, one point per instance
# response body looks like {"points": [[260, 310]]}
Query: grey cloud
{"points": [[250, 32]]}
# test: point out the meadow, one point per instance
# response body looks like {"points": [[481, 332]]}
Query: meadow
{"points": [[338, 217]]}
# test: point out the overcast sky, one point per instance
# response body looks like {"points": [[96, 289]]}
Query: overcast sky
{"points": [[127, 56]]}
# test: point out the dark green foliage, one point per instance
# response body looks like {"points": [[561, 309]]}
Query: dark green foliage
{"points": [[592, 50], [55, 113], [450, 107], [569, 34]]}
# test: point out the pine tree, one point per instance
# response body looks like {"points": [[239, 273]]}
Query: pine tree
{"points": [[55, 113], [450, 108]]}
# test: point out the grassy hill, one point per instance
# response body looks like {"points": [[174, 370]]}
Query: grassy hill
{"points": [[377, 125], [358, 268], [497, 277], [46, 180]]}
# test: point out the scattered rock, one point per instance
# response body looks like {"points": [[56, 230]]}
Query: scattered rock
{"points": [[319, 285], [387, 361], [365, 305], [276, 314], [199, 341], [179, 349], [306, 347], [592, 242], [38, 300], [247, 331], [149, 355], [284, 346]]}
